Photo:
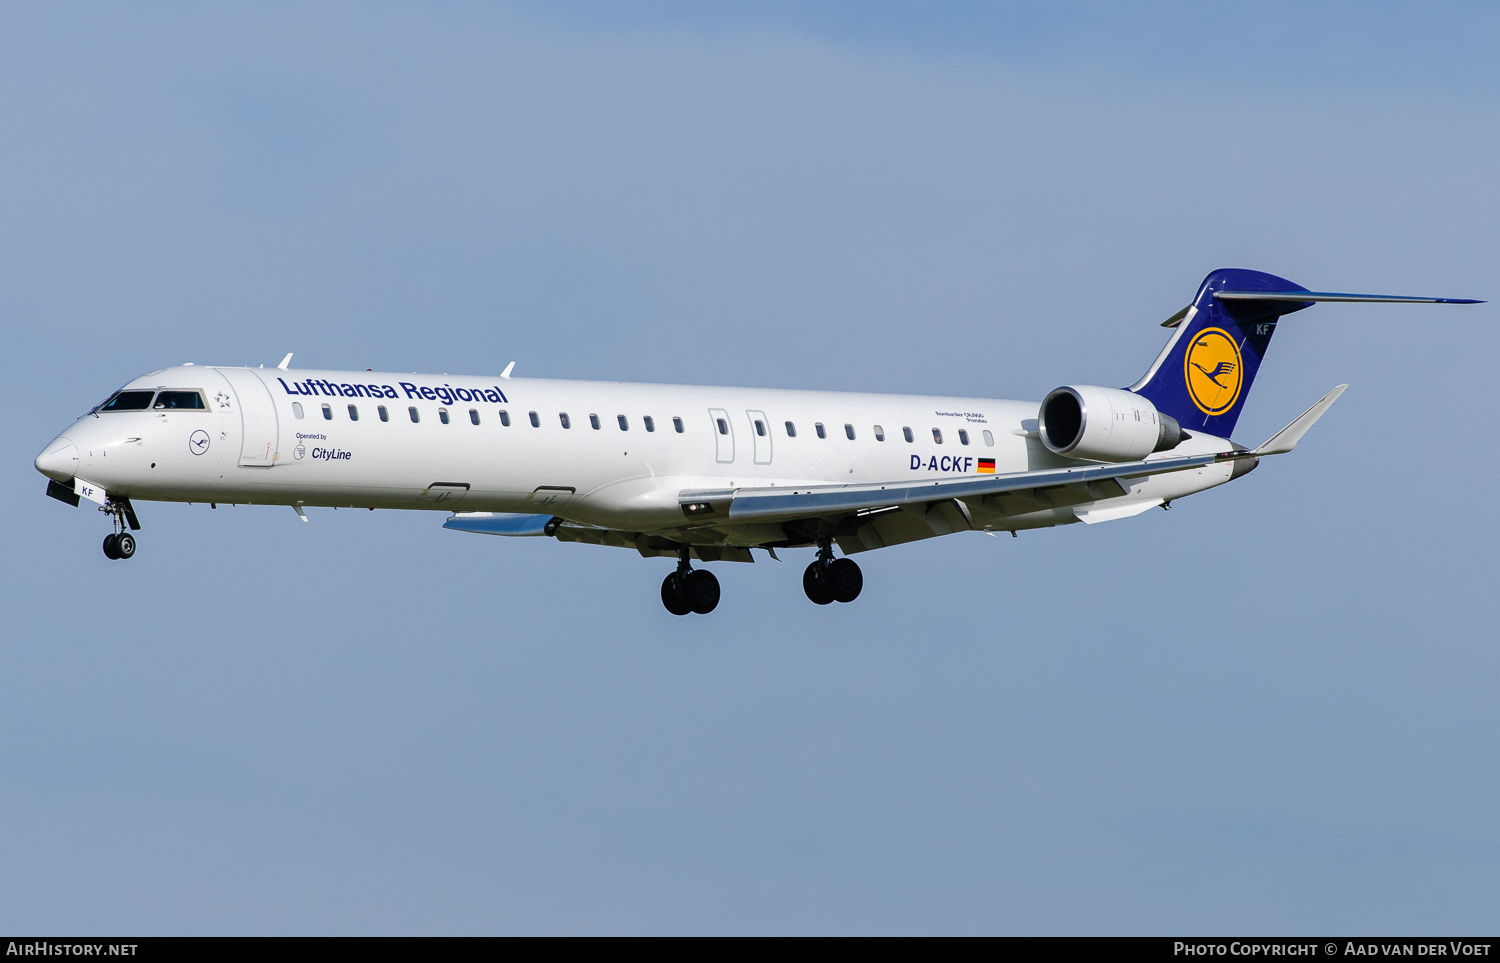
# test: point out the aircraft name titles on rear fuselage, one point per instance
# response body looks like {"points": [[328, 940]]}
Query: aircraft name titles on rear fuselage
{"points": [[974, 417], [447, 394]]}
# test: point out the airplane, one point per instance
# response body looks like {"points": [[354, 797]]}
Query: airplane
{"points": [[689, 472]]}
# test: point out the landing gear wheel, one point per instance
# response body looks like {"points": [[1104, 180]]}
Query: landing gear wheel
{"points": [[844, 580], [110, 551], [673, 597], [702, 591], [124, 545], [815, 584]]}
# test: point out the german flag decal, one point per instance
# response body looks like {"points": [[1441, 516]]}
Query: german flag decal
{"points": [[986, 466]]}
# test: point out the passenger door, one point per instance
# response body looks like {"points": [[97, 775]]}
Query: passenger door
{"points": [[260, 437], [760, 435], [723, 435]]}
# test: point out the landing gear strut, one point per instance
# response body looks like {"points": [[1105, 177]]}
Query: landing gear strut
{"points": [[830, 579], [120, 544], [688, 589]]}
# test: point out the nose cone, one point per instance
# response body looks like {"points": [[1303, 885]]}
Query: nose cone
{"points": [[59, 460]]}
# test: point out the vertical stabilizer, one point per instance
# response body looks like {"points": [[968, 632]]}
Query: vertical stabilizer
{"points": [[1204, 374]]}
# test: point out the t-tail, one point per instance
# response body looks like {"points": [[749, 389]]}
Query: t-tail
{"points": [[1204, 374]]}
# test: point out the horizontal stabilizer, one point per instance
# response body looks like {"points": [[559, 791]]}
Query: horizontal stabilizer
{"points": [[488, 523], [1330, 296], [1286, 439]]}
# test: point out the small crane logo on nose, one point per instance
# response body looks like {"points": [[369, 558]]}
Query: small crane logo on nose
{"points": [[198, 442]]}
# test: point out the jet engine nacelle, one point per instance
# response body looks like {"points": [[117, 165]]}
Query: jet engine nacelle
{"points": [[1104, 424]]}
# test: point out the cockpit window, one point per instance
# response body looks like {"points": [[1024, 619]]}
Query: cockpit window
{"points": [[128, 401], [180, 400]]}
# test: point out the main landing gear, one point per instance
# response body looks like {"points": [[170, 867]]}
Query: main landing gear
{"points": [[120, 543], [826, 580], [689, 589], [830, 579]]}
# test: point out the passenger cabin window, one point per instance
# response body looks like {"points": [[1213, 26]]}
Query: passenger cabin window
{"points": [[624, 422], [937, 436], [649, 422], [473, 416], [906, 433], [818, 427], [593, 421], [128, 401], [849, 432], [180, 400], [296, 409], [443, 415], [677, 423], [760, 427], [535, 421], [504, 418], [385, 415], [879, 433], [963, 436], [415, 418], [562, 417], [327, 413], [353, 413], [791, 430], [723, 426], [989, 439]]}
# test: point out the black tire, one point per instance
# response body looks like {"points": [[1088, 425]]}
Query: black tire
{"points": [[673, 597], [815, 585], [703, 591], [844, 580], [124, 545], [109, 546]]}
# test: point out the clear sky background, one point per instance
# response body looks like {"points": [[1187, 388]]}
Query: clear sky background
{"points": [[1271, 710]]}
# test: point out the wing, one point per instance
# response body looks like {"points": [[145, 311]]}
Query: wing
{"points": [[724, 524], [1047, 488]]}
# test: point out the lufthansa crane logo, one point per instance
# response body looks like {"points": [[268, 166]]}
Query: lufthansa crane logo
{"points": [[1213, 371], [198, 442]]}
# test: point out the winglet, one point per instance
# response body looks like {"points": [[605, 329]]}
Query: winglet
{"points": [[285, 361], [508, 369], [1286, 439]]}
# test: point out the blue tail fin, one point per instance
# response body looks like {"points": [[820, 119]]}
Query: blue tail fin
{"points": [[1203, 375]]}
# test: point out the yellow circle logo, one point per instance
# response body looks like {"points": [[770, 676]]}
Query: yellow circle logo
{"points": [[1213, 371]]}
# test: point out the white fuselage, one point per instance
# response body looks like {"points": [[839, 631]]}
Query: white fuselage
{"points": [[604, 454]]}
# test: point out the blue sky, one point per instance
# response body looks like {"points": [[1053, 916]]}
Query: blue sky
{"points": [[1268, 711]]}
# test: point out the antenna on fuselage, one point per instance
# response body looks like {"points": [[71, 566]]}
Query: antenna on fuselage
{"points": [[285, 361], [508, 369]]}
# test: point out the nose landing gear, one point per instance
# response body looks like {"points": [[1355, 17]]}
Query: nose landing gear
{"points": [[120, 544], [829, 579], [688, 589]]}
